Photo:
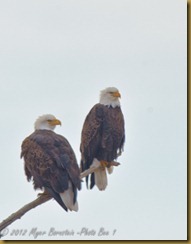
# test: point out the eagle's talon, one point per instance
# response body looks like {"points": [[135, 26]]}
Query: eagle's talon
{"points": [[104, 164]]}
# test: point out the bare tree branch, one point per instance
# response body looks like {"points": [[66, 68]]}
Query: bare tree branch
{"points": [[17, 215], [42, 198]]}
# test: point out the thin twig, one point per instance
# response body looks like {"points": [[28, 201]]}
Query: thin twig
{"points": [[93, 169], [42, 198]]}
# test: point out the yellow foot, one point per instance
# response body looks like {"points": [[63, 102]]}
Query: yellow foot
{"points": [[43, 193], [104, 164]]}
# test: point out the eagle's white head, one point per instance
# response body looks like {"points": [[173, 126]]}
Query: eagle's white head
{"points": [[110, 97], [46, 122]]}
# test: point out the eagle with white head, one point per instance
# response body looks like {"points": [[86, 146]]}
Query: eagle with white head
{"points": [[102, 137], [50, 162]]}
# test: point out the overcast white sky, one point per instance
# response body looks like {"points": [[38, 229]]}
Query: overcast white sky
{"points": [[55, 57]]}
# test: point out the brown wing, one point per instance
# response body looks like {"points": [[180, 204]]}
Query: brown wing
{"points": [[113, 136], [91, 136], [51, 163]]}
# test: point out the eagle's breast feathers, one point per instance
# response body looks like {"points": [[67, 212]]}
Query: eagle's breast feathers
{"points": [[103, 135]]}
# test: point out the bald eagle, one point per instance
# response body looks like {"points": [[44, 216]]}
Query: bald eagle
{"points": [[102, 137], [50, 162]]}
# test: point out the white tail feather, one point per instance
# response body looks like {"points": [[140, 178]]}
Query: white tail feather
{"points": [[110, 170], [101, 179], [67, 197], [100, 175]]}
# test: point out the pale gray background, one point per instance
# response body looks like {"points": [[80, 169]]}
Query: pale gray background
{"points": [[55, 57]]}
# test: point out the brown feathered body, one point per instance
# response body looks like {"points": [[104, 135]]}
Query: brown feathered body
{"points": [[103, 136], [50, 162]]}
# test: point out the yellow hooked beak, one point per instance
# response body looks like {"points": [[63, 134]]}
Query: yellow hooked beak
{"points": [[116, 94], [54, 122]]}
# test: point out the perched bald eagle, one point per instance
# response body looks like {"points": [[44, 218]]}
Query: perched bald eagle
{"points": [[102, 137], [51, 163]]}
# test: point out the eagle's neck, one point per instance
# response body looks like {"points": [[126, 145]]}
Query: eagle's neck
{"points": [[43, 126], [107, 102]]}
